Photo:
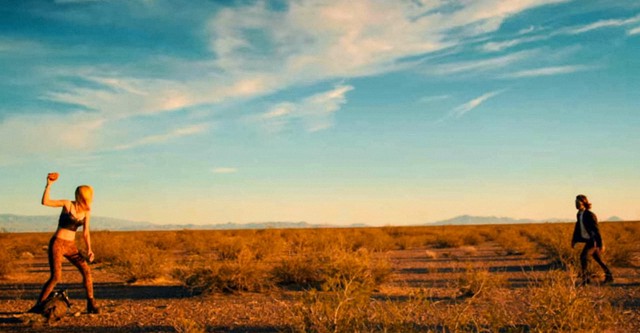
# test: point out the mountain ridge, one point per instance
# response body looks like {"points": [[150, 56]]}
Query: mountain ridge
{"points": [[48, 223]]}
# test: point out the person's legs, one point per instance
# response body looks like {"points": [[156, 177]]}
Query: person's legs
{"points": [[584, 257], [598, 258], [74, 256], [55, 252]]}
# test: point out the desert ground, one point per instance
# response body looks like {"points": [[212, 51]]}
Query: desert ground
{"points": [[503, 278]]}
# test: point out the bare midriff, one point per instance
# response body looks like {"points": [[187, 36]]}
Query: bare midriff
{"points": [[65, 234]]}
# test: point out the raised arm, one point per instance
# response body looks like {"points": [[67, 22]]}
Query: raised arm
{"points": [[52, 203]]}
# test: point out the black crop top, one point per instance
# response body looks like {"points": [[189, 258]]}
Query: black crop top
{"points": [[69, 222]]}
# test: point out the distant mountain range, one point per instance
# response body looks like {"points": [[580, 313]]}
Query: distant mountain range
{"points": [[48, 223], [475, 220]]}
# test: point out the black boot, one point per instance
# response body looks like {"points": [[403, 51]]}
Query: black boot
{"points": [[38, 308], [92, 307]]}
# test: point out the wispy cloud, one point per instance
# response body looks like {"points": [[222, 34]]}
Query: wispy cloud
{"points": [[161, 138], [602, 24], [309, 42], [634, 31], [315, 111], [527, 30], [503, 45], [431, 99], [548, 71], [49, 135], [461, 110], [479, 65], [224, 170]]}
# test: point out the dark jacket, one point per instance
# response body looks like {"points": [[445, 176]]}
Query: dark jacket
{"points": [[590, 222]]}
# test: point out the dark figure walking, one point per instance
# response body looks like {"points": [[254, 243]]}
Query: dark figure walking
{"points": [[586, 231]]}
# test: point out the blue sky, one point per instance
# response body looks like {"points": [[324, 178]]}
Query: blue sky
{"points": [[376, 112]]}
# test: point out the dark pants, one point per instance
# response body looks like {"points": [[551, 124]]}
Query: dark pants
{"points": [[590, 250]]}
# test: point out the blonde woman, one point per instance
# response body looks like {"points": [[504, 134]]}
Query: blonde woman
{"points": [[74, 214]]}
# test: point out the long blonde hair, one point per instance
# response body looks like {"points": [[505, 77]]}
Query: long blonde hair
{"points": [[84, 197]]}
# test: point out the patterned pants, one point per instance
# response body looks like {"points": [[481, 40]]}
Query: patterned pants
{"points": [[59, 248]]}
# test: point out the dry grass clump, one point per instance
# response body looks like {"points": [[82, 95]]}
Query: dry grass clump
{"points": [[559, 306], [318, 269], [17, 246], [243, 273], [555, 242], [182, 323], [554, 306], [6, 257], [448, 240], [513, 240], [475, 281], [621, 243], [132, 257]]}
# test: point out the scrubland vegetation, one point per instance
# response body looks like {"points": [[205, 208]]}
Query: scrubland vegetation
{"points": [[333, 277]]}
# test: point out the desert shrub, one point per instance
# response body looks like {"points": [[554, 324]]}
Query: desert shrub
{"points": [[621, 245], [194, 242], [299, 271], [449, 240], [133, 258], [558, 306], [267, 244], [407, 242], [228, 248], [33, 243], [165, 240], [513, 242], [182, 323], [242, 274], [344, 310], [555, 242], [475, 281], [376, 240], [472, 238], [6, 257], [321, 269]]}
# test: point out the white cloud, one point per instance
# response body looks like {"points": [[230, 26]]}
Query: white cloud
{"points": [[527, 30], [161, 138], [634, 31], [503, 45], [431, 99], [548, 71], [472, 104], [316, 111], [602, 24], [49, 135], [479, 65], [315, 40], [259, 50], [224, 170]]}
